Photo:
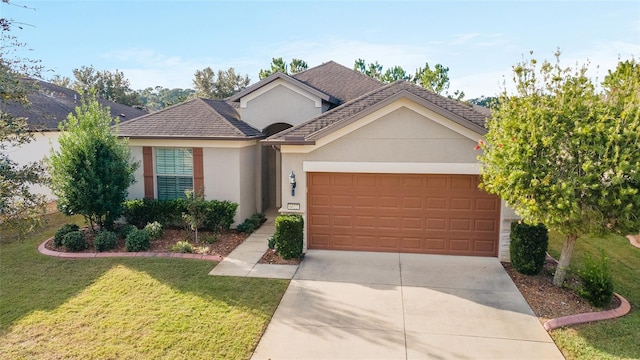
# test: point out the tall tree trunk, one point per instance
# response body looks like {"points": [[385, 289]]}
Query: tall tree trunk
{"points": [[565, 259]]}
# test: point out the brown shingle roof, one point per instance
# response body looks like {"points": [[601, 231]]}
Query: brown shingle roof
{"points": [[336, 118], [51, 104], [338, 81], [193, 119]]}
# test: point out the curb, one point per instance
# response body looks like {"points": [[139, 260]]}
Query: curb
{"points": [[622, 310], [633, 241], [576, 319], [169, 255]]}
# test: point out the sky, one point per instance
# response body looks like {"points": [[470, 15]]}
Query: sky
{"points": [[163, 43]]}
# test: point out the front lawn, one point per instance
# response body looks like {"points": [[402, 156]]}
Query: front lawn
{"points": [[611, 339], [142, 308]]}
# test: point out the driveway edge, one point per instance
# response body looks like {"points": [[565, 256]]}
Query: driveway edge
{"points": [[43, 250]]}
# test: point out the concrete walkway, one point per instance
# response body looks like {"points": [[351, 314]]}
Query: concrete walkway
{"points": [[359, 305], [243, 261]]}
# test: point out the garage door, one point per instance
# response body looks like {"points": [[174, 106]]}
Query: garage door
{"points": [[431, 214]]}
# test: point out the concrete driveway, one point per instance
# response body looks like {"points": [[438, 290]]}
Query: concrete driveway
{"points": [[360, 305]]}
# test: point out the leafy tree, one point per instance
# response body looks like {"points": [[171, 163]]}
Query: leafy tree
{"points": [[436, 80], [197, 210], [108, 85], [62, 81], [279, 65], [395, 73], [488, 102], [373, 70], [93, 168], [564, 154], [227, 83], [157, 98], [19, 208]]}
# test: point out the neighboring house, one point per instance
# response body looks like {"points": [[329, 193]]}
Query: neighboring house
{"points": [[377, 167], [48, 106]]}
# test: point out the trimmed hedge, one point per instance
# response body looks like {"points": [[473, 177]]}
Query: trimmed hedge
{"points": [[140, 212], [528, 247], [288, 236]]}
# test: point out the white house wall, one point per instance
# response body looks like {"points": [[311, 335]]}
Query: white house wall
{"points": [[36, 150], [390, 142], [228, 166], [279, 102]]}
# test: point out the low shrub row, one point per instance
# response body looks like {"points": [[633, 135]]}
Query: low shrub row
{"points": [[251, 224], [219, 214]]}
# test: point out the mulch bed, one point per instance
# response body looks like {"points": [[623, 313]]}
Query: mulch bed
{"points": [[225, 243], [549, 301], [271, 257]]}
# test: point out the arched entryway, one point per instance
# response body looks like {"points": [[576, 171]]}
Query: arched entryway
{"points": [[270, 169]]}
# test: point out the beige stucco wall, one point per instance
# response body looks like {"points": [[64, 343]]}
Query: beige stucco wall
{"points": [[229, 170], [279, 103], [36, 150], [402, 137]]}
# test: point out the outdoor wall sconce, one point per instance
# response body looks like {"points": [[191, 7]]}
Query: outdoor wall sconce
{"points": [[292, 182]]}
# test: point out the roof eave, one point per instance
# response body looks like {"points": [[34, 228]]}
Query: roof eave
{"points": [[175, 137]]}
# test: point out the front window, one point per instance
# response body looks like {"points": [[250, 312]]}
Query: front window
{"points": [[174, 170]]}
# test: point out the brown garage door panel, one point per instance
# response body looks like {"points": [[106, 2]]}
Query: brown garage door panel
{"points": [[438, 214]]}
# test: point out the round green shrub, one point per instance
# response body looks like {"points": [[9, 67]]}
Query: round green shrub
{"points": [[528, 247], [137, 240], [125, 230], [154, 229], [105, 240], [182, 247], [75, 241], [64, 230]]}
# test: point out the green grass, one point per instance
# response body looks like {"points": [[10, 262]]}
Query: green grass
{"points": [[611, 339], [141, 308]]}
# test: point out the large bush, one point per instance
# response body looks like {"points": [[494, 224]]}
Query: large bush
{"points": [[64, 230], [137, 240], [93, 168], [289, 235], [75, 241], [528, 247], [105, 240], [597, 283]]}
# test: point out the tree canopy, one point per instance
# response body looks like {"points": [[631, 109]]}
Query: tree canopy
{"points": [[227, 83], [436, 79], [563, 153], [93, 168], [112, 86], [20, 209], [279, 65], [157, 98]]}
